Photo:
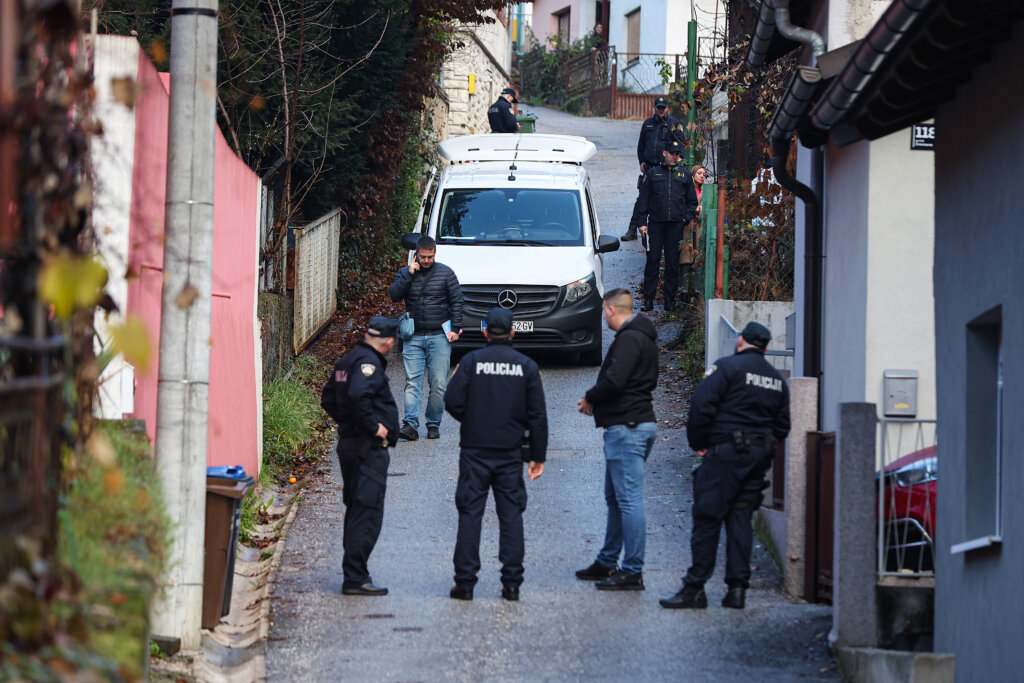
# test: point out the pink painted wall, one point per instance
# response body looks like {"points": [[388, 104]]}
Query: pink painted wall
{"points": [[234, 394]]}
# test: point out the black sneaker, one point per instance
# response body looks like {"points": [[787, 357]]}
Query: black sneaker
{"points": [[433, 433], [621, 580], [510, 593], [408, 432], [647, 307], [690, 596], [595, 572], [736, 598]]}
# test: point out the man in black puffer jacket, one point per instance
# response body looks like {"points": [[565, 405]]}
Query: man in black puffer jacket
{"points": [[622, 403], [432, 297]]}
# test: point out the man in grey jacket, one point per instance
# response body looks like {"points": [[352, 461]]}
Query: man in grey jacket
{"points": [[432, 297]]}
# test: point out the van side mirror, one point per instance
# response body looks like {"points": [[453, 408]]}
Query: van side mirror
{"points": [[606, 243], [410, 239]]}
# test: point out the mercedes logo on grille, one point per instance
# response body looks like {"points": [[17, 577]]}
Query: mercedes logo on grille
{"points": [[507, 299]]}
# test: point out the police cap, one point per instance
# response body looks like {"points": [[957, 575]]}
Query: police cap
{"points": [[512, 92], [674, 147], [499, 321], [756, 334], [661, 101], [381, 326]]}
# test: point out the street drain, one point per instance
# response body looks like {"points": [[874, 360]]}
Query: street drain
{"points": [[378, 616], [412, 629], [396, 474]]}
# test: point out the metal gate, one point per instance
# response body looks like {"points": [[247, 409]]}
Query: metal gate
{"points": [[821, 471]]}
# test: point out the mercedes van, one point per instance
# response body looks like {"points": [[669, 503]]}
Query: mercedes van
{"points": [[513, 215]]}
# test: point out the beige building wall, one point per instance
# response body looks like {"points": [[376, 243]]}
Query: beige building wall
{"points": [[900, 317], [485, 56]]}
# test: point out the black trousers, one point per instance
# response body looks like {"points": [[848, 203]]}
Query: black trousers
{"points": [[662, 237], [365, 477], [726, 488], [480, 470]]}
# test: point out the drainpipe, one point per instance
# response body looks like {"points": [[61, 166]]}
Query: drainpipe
{"points": [[794, 104]]}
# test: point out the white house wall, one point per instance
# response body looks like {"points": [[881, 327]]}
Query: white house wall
{"points": [[113, 155]]}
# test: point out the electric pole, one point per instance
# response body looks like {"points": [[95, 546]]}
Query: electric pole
{"points": [[183, 382]]}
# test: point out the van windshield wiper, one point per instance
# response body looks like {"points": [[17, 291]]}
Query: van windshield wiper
{"points": [[517, 243]]}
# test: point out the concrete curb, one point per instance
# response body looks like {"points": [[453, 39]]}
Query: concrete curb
{"points": [[235, 650]]}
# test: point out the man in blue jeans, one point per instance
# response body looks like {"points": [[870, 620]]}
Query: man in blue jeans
{"points": [[432, 297], [621, 402]]}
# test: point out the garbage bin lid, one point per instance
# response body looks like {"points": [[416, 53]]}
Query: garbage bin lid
{"points": [[227, 472]]}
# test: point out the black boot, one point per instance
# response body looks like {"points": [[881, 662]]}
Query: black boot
{"points": [[736, 598], [630, 234], [690, 596]]}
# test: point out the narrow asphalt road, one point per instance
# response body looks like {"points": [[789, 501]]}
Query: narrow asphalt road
{"points": [[562, 629]]}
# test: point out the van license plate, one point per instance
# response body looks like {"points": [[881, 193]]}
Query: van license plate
{"points": [[522, 325]]}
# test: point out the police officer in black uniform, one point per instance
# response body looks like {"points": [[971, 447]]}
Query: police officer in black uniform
{"points": [[666, 203], [497, 395], [655, 133], [738, 415], [500, 114], [367, 418]]}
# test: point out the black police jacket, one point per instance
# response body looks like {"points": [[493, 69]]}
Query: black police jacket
{"points": [[655, 132], [501, 118], [363, 394], [430, 305], [622, 394], [496, 393], [742, 392], [666, 194]]}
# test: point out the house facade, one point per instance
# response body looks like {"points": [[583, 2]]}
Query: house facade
{"points": [[934, 74], [474, 76]]}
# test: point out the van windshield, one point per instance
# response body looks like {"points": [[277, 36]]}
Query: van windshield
{"points": [[509, 216]]}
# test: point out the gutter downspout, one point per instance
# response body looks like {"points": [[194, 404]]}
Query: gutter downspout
{"points": [[780, 144]]}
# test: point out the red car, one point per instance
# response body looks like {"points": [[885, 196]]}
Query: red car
{"points": [[909, 504]]}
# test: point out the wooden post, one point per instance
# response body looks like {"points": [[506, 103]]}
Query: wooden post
{"points": [[720, 241]]}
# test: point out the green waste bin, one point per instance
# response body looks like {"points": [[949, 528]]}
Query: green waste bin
{"points": [[225, 489], [527, 123]]}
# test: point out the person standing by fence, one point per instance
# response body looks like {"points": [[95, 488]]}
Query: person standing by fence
{"points": [[655, 133], [691, 234], [667, 202]]}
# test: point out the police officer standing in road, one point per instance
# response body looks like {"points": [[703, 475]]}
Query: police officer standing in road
{"points": [[496, 394], [358, 397], [738, 415], [655, 133], [666, 203], [500, 114]]}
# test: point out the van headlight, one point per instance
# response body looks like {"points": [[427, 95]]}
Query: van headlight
{"points": [[576, 291]]}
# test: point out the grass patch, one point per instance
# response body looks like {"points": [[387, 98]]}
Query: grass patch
{"points": [[115, 536], [292, 421]]}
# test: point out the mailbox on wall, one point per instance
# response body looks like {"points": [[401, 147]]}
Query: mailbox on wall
{"points": [[900, 390]]}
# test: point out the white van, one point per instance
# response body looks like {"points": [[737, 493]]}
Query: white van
{"points": [[514, 217]]}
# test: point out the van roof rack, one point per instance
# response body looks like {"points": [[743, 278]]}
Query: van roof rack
{"points": [[566, 149]]}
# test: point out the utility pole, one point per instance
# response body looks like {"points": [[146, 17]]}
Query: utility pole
{"points": [[183, 382], [691, 77]]}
